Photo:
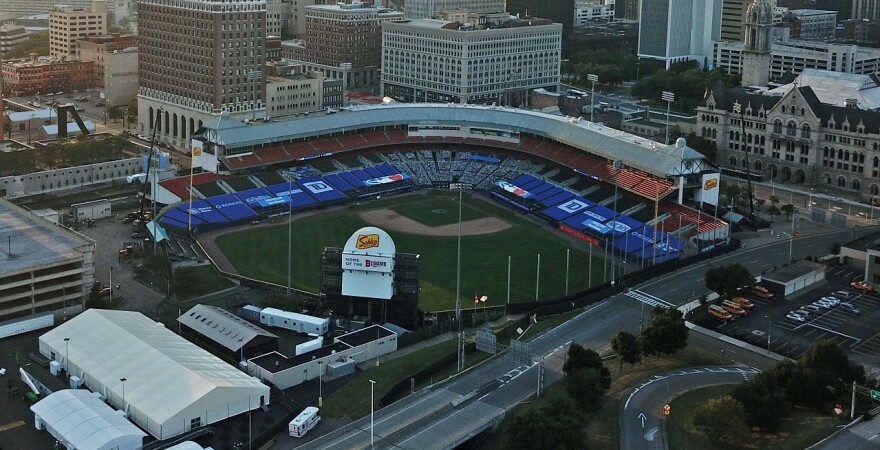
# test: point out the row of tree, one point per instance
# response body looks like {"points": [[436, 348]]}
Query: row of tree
{"points": [[820, 379], [737, 194], [665, 334], [686, 80]]}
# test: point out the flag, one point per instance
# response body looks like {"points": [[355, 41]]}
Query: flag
{"points": [[476, 300], [484, 298], [457, 309]]}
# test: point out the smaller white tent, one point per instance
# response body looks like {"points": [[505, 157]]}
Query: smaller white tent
{"points": [[80, 420]]}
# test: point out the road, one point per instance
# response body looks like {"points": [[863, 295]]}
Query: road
{"points": [[642, 413]]}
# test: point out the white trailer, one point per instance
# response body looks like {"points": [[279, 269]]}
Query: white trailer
{"points": [[305, 421], [31, 323], [300, 323], [251, 312], [308, 346], [94, 210]]}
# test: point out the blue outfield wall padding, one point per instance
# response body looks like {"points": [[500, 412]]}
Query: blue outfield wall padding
{"points": [[557, 199], [203, 210], [568, 208], [387, 169], [292, 193], [522, 179], [168, 221], [600, 213], [252, 197], [231, 207], [547, 193], [360, 174], [338, 182], [179, 214], [349, 178], [320, 189], [373, 172]]}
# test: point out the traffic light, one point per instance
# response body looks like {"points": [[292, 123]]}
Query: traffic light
{"points": [[666, 409]]}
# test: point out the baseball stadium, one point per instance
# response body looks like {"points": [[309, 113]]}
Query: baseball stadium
{"points": [[542, 205]]}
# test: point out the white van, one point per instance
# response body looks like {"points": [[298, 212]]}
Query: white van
{"points": [[305, 421]]}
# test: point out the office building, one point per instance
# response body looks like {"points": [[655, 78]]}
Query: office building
{"points": [[810, 24], [627, 9], [844, 8], [679, 30], [589, 12], [198, 59], [343, 41], [10, 36], [795, 56], [115, 64], [290, 91], [421, 9], [732, 14], [45, 74], [29, 7], [68, 24], [433, 60]]}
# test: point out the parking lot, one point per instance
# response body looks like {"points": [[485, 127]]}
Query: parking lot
{"points": [[766, 324]]}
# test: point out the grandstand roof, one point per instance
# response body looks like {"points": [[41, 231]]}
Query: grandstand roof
{"points": [[636, 152]]}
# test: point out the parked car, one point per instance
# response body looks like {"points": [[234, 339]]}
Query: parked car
{"points": [[822, 304], [796, 317], [834, 300], [733, 308], [802, 312], [861, 285], [812, 308], [743, 302], [850, 308], [719, 312], [844, 294]]}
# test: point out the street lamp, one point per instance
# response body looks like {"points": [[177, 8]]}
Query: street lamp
{"points": [[668, 97], [593, 79], [320, 392], [769, 329], [123, 380], [67, 355], [790, 241], [372, 384]]}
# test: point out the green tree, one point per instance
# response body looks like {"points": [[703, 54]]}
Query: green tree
{"points": [[114, 113], [722, 419], [557, 426], [36, 43], [586, 358], [728, 278], [788, 209], [703, 145], [586, 387], [773, 210], [827, 374], [666, 332], [628, 348], [763, 400], [730, 191], [774, 199]]}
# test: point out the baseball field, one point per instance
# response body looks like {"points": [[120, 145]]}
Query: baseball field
{"points": [[426, 223]]}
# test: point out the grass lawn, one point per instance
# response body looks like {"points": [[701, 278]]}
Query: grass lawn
{"points": [[802, 429], [205, 280], [261, 253], [350, 400]]}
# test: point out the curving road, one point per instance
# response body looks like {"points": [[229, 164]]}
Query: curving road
{"points": [[642, 414]]}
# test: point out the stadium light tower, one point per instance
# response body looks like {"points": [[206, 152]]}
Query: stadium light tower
{"points": [[617, 164], [668, 97], [289, 233], [593, 79]]}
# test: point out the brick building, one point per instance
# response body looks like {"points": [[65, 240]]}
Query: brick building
{"points": [[44, 74]]}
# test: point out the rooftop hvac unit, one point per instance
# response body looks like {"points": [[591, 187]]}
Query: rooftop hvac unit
{"points": [[75, 382], [55, 368]]}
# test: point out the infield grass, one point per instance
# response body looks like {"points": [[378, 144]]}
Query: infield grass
{"points": [[261, 253]]}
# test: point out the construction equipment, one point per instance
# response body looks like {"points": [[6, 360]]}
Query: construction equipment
{"points": [[149, 179]]}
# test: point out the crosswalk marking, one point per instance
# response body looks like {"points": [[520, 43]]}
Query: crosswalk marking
{"points": [[648, 299]]}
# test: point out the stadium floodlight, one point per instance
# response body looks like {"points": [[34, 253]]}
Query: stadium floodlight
{"points": [[593, 79], [668, 97]]}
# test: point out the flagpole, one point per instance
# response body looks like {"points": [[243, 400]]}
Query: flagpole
{"points": [[458, 276], [508, 279], [190, 223], [590, 269], [567, 255], [537, 277]]}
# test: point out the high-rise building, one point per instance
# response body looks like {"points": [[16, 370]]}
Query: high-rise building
{"points": [[30, 7], [864, 9], [844, 8], [679, 30], [756, 44], [431, 60], [732, 12], [10, 36], [420, 9], [627, 9], [559, 11], [115, 64], [68, 24], [343, 41], [198, 59]]}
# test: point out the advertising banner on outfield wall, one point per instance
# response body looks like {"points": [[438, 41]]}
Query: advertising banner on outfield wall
{"points": [[710, 189]]}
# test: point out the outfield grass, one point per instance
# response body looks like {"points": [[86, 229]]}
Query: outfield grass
{"points": [[802, 429], [261, 253]]}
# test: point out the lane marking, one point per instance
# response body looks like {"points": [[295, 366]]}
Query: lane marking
{"points": [[11, 425]]}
